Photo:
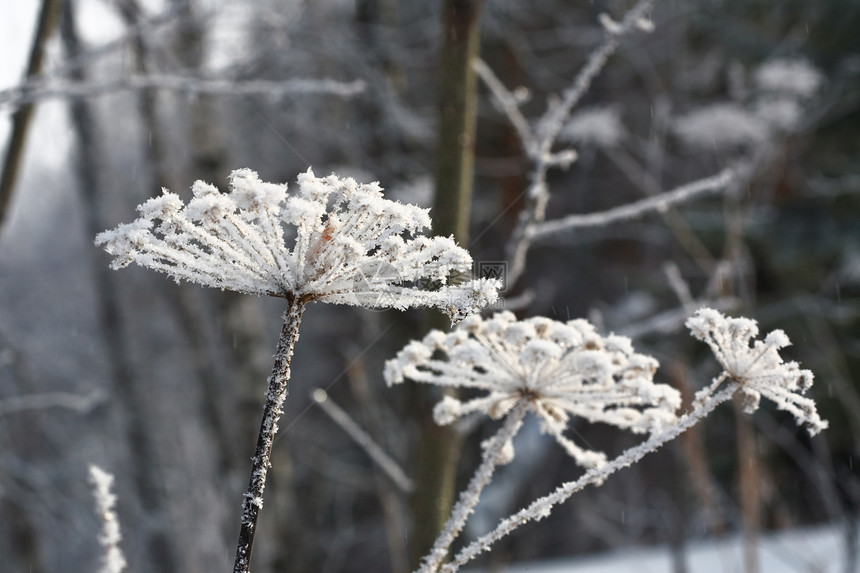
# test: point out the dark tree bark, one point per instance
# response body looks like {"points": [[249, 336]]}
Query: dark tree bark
{"points": [[439, 446], [126, 390], [22, 119]]}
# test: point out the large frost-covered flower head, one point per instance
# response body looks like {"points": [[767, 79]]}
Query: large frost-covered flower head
{"points": [[757, 368], [560, 369], [351, 245]]}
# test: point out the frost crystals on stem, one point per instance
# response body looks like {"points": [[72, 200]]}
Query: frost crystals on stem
{"points": [[113, 561], [349, 248], [555, 370], [558, 370]]}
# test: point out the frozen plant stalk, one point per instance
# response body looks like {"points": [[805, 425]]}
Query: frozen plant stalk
{"points": [[559, 370], [348, 248], [113, 560], [552, 369]]}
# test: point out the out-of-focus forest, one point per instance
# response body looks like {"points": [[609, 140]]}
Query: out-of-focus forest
{"points": [[162, 384]]}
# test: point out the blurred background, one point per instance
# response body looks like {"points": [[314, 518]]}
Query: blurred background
{"points": [[102, 103]]}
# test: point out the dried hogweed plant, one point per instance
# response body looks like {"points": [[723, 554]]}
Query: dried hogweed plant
{"points": [[348, 248], [559, 371]]}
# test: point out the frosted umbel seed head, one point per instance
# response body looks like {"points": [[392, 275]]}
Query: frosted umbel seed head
{"points": [[561, 369], [757, 368], [349, 245]]}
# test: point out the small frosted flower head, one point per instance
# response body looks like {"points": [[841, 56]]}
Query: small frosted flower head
{"points": [[721, 127], [561, 370], [351, 246], [600, 126], [788, 77], [757, 368]]}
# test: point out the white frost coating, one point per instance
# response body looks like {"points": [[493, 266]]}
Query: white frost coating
{"points": [[599, 126], [348, 249], [758, 369], [788, 77], [559, 369], [542, 507], [720, 126], [113, 560]]}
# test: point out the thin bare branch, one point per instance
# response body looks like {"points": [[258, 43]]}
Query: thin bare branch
{"points": [[660, 202], [28, 94], [363, 439], [509, 104], [81, 403], [545, 135]]}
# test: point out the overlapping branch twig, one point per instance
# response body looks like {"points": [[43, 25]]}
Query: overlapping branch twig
{"points": [[539, 139], [376, 453], [191, 85], [636, 209]]}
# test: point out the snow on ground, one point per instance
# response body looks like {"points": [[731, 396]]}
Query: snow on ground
{"points": [[813, 550]]}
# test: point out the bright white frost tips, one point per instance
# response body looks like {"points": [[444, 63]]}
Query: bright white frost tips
{"points": [[349, 245], [758, 369], [559, 369], [113, 561]]}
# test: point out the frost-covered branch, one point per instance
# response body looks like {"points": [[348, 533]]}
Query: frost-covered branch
{"points": [[113, 560], [556, 371], [509, 104], [189, 85], [498, 450], [538, 140], [550, 124], [276, 394], [77, 402], [636, 209], [376, 453], [560, 370], [542, 507], [672, 320]]}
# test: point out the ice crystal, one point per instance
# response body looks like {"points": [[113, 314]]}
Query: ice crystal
{"points": [[757, 368], [351, 245], [560, 369]]}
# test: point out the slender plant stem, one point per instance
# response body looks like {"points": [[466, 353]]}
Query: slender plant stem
{"points": [[275, 396], [469, 497], [541, 507]]}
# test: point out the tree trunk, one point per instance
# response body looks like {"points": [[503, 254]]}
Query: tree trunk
{"points": [[22, 119], [439, 446], [126, 390]]}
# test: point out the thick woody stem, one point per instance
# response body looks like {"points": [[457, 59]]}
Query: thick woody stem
{"points": [[275, 396]]}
